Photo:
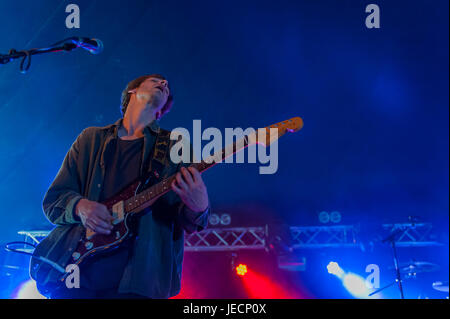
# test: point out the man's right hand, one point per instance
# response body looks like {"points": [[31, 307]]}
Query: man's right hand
{"points": [[95, 216]]}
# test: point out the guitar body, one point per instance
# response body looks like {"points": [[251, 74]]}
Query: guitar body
{"points": [[89, 245], [92, 243]]}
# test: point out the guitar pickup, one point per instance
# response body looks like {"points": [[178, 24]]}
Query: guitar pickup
{"points": [[118, 210]]}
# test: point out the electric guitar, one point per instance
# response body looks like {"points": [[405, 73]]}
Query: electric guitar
{"points": [[131, 201]]}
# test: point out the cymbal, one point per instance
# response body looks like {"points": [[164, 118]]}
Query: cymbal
{"points": [[441, 286], [415, 267]]}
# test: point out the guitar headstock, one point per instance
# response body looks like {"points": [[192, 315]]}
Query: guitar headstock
{"points": [[266, 136], [292, 125]]}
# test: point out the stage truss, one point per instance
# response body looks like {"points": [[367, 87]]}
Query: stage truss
{"points": [[237, 238], [413, 235], [241, 238]]}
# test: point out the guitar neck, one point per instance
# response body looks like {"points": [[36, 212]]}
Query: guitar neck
{"points": [[163, 187], [264, 136]]}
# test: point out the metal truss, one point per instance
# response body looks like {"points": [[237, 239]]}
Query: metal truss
{"points": [[33, 237], [241, 238], [324, 236], [222, 239], [413, 235]]}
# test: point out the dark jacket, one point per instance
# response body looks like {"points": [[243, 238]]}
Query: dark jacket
{"points": [[154, 269]]}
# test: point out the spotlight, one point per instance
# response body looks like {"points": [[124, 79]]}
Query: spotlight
{"points": [[324, 217], [225, 219], [335, 269], [241, 270], [28, 290], [214, 219], [353, 283], [335, 217]]}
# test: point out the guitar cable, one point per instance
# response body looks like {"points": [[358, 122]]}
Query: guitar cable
{"points": [[20, 251]]}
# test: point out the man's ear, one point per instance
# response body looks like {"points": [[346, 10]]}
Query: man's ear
{"points": [[132, 91]]}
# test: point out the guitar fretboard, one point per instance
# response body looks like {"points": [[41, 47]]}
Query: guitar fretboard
{"points": [[164, 186]]}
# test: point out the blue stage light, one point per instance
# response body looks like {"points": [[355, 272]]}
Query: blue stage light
{"points": [[353, 283], [27, 290], [335, 269]]}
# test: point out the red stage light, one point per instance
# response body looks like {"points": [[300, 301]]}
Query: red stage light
{"points": [[259, 286], [241, 270]]}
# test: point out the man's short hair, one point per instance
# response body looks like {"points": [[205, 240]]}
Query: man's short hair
{"points": [[134, 84]]}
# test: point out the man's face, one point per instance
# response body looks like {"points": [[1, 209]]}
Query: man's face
{"points": [[153, 91]]}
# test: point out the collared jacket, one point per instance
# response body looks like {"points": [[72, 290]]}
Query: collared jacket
{"points": [[154, 269]]}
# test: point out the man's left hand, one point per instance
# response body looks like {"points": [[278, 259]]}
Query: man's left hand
{"points": [[188, 184]]}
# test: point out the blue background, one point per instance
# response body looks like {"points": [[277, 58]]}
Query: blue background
{"points": [[375, 102]]}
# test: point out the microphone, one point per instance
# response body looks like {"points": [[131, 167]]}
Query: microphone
{"points": [[95, 46]]}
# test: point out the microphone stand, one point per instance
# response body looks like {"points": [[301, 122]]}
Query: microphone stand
{"points": [[26, 54], [398, 279]]}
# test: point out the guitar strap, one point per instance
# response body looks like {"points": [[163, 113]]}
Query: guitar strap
{"points": [[157, 163]]}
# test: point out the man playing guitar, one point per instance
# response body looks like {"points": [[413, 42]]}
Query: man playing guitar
{"points": [[101, 162]]}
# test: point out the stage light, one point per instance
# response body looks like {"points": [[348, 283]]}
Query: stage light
{"points": [[241, 270], [27, 290], [335, 269], [335, 217], [225, 219], [214, 219], [355, 285], [324, 217], [260, 286]]}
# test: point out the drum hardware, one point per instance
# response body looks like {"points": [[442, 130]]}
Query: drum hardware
{"points": [[392, 239], [411, 269], [440, 286]]}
